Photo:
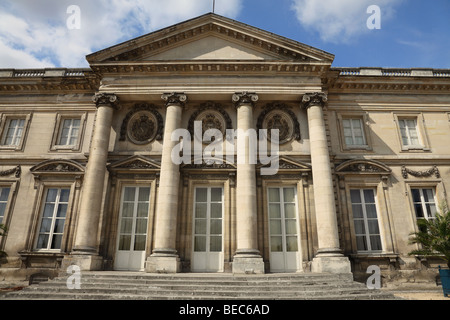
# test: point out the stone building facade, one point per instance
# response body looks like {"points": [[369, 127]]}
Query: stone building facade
{"points": [[87, 175]]}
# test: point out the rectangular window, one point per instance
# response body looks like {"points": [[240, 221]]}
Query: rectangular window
{"points": [[4, 194], [424, 203], [53, 218], [365, 220], [353, 132], [409, 132], [13, 133], [69, 132]]}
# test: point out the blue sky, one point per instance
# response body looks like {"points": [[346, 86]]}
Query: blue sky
{"points": [[413, 34]]}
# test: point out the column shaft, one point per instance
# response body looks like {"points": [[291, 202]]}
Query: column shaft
{"points": [[329, 257], [247, 258], [164, 257]]}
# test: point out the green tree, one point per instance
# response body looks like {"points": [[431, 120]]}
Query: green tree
{"points": [[433, 236]]}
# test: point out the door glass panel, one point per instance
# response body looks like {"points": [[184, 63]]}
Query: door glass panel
{"points": [[274, 195], [276, 243], [275, 227], [274, 211], [289, 210], [291, 226], [289, 195], [291, 244], [134, 222], [208, 219]]}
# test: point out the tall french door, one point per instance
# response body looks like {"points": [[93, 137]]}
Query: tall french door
{"points": [[283, 229], [133, 222], [207, 255]]}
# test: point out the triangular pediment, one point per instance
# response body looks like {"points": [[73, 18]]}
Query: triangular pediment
{"points": [[208, 38], [135, 163]]}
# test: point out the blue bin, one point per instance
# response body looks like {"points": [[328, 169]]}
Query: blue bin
{"points": [[445, 280]]}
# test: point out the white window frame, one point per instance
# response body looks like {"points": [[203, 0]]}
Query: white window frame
{"points": [[364, 120], [365, 219], [6, 202], [420, 129], [51, 233], [423, 202], [6, 119], [353, 136], [57, 132]]}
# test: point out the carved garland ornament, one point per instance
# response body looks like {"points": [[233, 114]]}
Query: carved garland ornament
{"points": [[420, 174], [17, 172]]}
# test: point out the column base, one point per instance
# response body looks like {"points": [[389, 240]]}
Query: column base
{"points": [[330, 261], [84, 261], [163, 261], [248, 262]]}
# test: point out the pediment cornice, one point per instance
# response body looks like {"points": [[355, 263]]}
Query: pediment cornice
{"points": [[280, 48]]}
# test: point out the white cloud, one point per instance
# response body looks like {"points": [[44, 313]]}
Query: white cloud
{"points": [[35, 33], [340, 20]]}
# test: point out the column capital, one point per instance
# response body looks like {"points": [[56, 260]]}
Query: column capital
{"points": [[108, 99], [240, 98], [177, 98], [314, 99]]}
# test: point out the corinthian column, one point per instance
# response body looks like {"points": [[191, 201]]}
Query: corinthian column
{"points": [[329, 257], [86, 246], [164, 257], [247, 258]]}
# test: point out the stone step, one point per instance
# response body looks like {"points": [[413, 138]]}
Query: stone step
{"points": [[140, 286]]}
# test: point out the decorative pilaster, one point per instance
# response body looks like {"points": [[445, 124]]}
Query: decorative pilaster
{"points": [[329, 257], [164, 257], [247, 258], [86, 246]]}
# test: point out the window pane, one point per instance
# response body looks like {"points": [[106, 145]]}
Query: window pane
{"points": [[4, 194], [291, 226], [275, 227], [142, 210], [56, 241], [215, 244], [373, 226], [216, 226], [125, 242], [357, 211], [129, 194], [216, 194], [415, 195], [369, 196], [144, 194], [216, 210], [59, 226], [359, 227], [48, 210], [126, 225], [51, 195], [46, 224], [200, 226], [274, 195], [127, 209], [431, 210], [61, 212], [355, 196], [361, 243], [289, 210], [274, 210], [371, 211], [201, 195], [346, 123], [200, 210], [2, 211], [199, 243], [291, 244], [141, 226], [139, 243], [428, 195], [276, 244], [289, 195], [42, 241], [375, 242], [64, 195], [419, 210]]}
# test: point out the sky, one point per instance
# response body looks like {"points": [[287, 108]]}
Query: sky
{"points": [[60, 33]]}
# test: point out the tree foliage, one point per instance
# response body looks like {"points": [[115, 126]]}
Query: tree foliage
{"points": [[433, 236]]}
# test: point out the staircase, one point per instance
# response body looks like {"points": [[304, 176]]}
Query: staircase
{"points": [[108, 285]]}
